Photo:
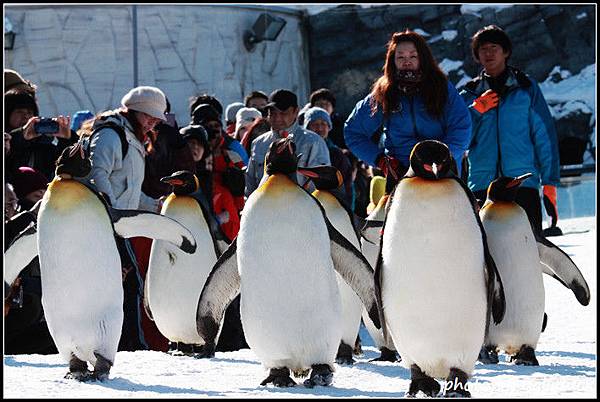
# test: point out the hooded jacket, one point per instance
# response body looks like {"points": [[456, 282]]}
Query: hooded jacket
{"points": [[516, 137]]}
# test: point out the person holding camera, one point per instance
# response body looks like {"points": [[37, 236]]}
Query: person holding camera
{"points": [[34, 141]]}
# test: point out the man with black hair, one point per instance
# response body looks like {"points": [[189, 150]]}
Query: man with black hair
{"points": [[513, 130]]}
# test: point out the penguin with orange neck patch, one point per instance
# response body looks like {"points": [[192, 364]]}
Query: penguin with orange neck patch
{"points": [[80, 265], [521, 257], [327, 181], [284, 263], [175, 278], [437, 286]]}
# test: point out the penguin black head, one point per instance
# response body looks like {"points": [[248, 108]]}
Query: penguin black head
{"points": [[281, 157], [183, 182], [74, 161], [505, 188], [324, 177], [431, 159]]}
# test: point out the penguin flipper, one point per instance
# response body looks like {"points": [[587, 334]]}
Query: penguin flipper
{"points": [[560, 266], [133, 223], [355, 270], [22, 250], [145, 300], [495, 288], [221, 287]]}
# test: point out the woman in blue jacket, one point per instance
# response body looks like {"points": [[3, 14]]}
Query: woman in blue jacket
{"points": [[412, 101], [513, 130]]}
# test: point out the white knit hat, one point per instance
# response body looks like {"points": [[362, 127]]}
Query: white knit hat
{"points": [[245, 116], [232, 109], [149, 100]]}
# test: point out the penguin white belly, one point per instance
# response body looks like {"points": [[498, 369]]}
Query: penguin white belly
{"points": [[513, 247], [175, 278], [433, 285], [81, 274], [290, 303], [351, 304]]}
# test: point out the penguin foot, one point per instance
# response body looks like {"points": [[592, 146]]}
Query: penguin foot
{"points": [[422, 382], [488, 355], [525, 357], [280, 377], [82, 376], [321, 374], [387, 355], [205, 351], [455, 385], [357, 351], [344, 355], [102, 367], [78, 370]]}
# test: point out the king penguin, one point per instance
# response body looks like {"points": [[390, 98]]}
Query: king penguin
{"points": [[521, 257], [175, 279], [370, 241], [283, 262], [435, 279], [327, 181], [80, 264]]}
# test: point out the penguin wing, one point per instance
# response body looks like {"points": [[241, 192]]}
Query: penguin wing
{"points": [[494, 287], [355, 269], [146, 303], [561, 267], [132, 223], [221, 287], [20, 253]]}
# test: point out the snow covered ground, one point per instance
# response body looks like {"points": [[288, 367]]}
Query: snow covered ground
{"points": [[566, 353]]}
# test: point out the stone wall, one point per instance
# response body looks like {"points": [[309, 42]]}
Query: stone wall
{"points": [[81, 57], [348, 43]]}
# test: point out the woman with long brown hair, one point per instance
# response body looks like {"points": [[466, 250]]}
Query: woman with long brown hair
{"points": [[412, 101]]}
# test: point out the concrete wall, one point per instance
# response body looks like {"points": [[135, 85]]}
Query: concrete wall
{"points": [[82, 57]]}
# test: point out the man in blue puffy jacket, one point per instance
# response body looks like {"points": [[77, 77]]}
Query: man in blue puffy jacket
{"points": [[513, 130]]}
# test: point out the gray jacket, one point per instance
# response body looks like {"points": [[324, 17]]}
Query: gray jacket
{"points": [[119, 178], [312, 147]]}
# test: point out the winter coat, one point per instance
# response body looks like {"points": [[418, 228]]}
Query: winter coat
{"points": [[117, 177], [409, 124], [312, 147], [516, 137]]}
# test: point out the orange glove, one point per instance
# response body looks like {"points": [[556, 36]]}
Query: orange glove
{"points": [[488, 100], [549, 192]]}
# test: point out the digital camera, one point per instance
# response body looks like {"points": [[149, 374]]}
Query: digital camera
{"points": [[46, 126]]}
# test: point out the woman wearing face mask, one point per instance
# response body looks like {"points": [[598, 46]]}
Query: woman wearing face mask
{"points": [[412, 101]]}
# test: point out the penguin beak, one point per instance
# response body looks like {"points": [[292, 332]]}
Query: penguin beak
{"points": [[174, 181], [518, 180]]}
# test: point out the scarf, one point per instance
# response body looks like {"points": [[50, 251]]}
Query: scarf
{"points": [[409, 82]]}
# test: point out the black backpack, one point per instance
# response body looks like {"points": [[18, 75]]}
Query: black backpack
{"points": [[115, 127]]}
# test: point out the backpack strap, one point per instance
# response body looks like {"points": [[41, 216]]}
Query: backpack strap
{"points": [[119, 130]]}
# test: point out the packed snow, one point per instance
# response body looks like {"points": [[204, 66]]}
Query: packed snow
{"points": [[566, 353]]}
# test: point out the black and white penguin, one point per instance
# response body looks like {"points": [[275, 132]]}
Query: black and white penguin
{"points": [[521, 256], [435, 279], [327, 181], [175, 279], [283, 262], [80, 264], [370, 241]]}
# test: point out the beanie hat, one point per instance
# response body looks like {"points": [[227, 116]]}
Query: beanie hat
{"points": [[204, 113], [197, 132], [79, 117], [18, 100], [316, 113], [149, 100], [27, 180], [246, 116], [232, 110], [13, 80]]}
